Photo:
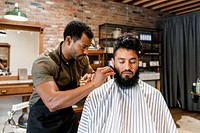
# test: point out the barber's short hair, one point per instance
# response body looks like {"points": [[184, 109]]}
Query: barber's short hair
{"points": [[75, 29], [127, 41]]}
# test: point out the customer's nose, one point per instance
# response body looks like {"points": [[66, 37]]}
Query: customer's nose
{"points": [[127, 65]]}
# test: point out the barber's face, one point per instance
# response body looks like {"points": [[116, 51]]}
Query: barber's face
{"points": [[79, 48], [126, 66]]}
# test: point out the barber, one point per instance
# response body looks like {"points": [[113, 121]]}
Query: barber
{"points": [[56, 75]]}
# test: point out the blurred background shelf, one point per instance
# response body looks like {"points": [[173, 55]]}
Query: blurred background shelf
{"points": [[96, 58]]}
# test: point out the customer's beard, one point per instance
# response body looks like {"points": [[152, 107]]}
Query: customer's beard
{"points": [[126, 83]]}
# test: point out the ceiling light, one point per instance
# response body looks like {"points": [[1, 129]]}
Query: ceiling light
{"points": [[3, 33], [15, 14]]}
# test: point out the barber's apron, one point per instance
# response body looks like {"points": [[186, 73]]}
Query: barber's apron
{"points": [[43, 121]]}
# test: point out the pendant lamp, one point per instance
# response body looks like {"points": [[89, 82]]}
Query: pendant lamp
{"points": [[15, 14]]}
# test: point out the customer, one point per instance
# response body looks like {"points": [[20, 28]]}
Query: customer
{"points": [[126, 104], [56, 75]]}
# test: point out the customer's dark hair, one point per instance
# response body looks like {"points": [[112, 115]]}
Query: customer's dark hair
{"points": [[127, 41], [75, 30]]}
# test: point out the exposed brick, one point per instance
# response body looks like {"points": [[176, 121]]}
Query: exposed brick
{"points": [[93, 12]]}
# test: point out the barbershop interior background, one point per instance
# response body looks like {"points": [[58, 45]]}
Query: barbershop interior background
{"points": [[169, 32]]}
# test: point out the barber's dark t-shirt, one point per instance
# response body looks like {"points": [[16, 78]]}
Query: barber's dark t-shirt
{"points": [[50, 66]]}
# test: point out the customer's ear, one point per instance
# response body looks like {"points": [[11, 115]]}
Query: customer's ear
{"points": [[112, 62]]}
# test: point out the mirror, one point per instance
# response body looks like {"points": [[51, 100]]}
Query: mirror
{"points": [[25, 40], [4, 58], [21, 43]]}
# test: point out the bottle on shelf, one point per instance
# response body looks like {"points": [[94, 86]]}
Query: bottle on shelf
{"points": [[198, 86], [194, 87]]}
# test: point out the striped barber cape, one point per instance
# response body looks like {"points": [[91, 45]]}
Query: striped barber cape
{"points": [[141, 109]]}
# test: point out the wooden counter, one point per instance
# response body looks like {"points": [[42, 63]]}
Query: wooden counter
{"points": [[24, 88], [10, 88]]}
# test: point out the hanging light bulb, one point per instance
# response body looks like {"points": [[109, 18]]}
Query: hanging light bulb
{"points": [[3, 33], [15, 14]]}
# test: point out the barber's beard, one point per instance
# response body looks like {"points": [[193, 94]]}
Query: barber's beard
{"points": [[80, 57], [126, 83]]}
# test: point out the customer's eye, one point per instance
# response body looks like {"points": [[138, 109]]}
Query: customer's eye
{"points": [[121, 61], [132, 61]]}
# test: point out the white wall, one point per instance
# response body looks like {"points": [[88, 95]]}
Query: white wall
{"points": [[23, 50]]}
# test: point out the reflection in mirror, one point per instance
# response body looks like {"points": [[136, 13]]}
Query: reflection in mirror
{"points": [[24, 48], [4, 58], [26, 43]]}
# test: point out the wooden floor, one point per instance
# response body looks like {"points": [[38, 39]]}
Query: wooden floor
{"points": [[177, 113]]}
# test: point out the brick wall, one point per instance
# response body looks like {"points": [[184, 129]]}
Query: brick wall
{"points": [[54, 15]]}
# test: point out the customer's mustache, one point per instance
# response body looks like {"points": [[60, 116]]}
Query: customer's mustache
{"points": [[127, 71]]}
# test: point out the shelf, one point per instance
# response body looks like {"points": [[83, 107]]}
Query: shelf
{"points": [[151, 42], [113, 39], [96, 58], [125, 27], [149, 76], [95, 51], [151, 45]]}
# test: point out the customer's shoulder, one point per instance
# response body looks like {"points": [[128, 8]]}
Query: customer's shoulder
{"points": [[104, 88], [101, 93], [147, 88]]}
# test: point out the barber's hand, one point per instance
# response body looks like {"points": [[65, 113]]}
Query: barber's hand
{"points": [[87, 77], [101, 75]]}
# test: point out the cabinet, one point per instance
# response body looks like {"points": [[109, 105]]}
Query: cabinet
{"points": [[16, 88], [150, 58], [12, 87], [96, 58]]}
